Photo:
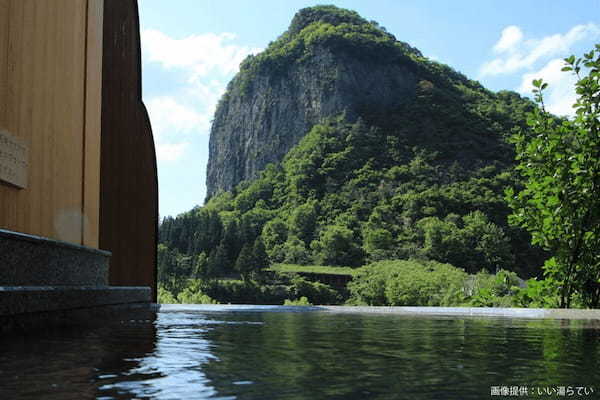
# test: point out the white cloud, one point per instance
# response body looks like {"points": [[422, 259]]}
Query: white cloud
{"points": [[201, 54], [204, 63], [511, 36], [170, 151], [534, 58], [206, 93], [171, 122], [169, 117], [517, 54], [560, 94]]}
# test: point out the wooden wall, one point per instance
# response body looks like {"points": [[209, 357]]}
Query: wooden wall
{"points": [[129, 186], [50, 75], [70, 86]]}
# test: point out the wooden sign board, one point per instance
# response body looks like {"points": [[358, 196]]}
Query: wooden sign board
{"points": [[14, 156]]}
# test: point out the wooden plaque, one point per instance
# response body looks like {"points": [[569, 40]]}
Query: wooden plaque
{"points": [[14, 155]]}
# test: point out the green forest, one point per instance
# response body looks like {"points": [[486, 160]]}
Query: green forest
{"points": [[458, 197]]}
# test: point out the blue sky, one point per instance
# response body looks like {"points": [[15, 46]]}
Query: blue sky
{"points": [[192, 48]]}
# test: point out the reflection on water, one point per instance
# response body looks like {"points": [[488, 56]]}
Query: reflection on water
{"points": [[205, 352]]}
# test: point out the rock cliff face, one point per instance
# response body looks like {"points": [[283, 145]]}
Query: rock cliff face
{"points": [[263, 115], [260, 127]]}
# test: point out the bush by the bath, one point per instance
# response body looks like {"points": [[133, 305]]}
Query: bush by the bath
{"points": [[245, 292], [315, 292], [165, 297], [429, 283], [489, 290], [538, 294], [302, 301], [409, 283], [193, 294]]}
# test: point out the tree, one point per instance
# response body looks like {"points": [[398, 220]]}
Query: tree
{"points": [[295, 252], [485, 245], [377, 239], [245, 261], [231, 240], [201, 266], [252, 259], [274, 234], [303, 220], [479, 244], [559, 161], [219, 263], [337, 246], [261, 259]]}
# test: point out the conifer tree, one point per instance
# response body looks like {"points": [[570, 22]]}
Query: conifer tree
{"points": [[245, 261]]}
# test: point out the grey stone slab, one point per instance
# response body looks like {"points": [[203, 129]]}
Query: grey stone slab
{"points": [[31, 299], [529, 313], [526, 313], [33, 260]]}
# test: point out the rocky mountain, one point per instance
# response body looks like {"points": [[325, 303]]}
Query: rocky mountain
{"points": [[330, 62], [340, 145]]}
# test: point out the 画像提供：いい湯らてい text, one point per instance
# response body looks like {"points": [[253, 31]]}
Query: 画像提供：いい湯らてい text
{"points": [[560, 391]]}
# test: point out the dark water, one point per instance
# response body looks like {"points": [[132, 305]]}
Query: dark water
{"points": [[192, 353]]}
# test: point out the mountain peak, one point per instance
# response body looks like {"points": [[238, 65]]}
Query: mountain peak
{"points": [[331, 62], [329, 14]]}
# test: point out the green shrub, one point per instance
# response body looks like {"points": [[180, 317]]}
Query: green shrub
{"points": [[428, 284], [315, 292], [538, 294], [368, 285], [488, 290], [408, 283], [302, 301], [193, 294], [165, 297], [248, 292]]}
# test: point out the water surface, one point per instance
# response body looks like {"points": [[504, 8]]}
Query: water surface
{"points": [[197, 352]]}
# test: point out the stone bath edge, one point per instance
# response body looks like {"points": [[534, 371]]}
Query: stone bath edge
{"points": [[525, 313]]}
